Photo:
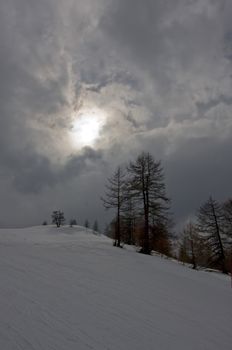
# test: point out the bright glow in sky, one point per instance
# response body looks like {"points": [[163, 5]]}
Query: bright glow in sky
{"points": [[86, 128]]}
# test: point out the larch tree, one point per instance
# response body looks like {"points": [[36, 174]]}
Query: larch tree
{"points": [[210, 221], [227, 212], [147, 188], [128, 220], [160, 238], [114, 198], [189, 245]]}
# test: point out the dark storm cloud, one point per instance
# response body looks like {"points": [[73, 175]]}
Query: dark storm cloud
{"points": [[82, 163], [35, 173], [32, 173], [199, 169]]}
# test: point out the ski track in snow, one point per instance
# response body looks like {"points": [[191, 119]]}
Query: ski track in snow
{"points": [[66, 289]]}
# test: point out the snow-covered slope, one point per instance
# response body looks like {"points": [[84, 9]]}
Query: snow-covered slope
{"points": [[67, 289]]}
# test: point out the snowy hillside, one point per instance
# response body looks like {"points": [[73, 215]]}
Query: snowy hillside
{"points": [[67, 289]]}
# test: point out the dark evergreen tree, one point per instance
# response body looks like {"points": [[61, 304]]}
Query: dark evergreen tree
{"points": [[58, 218], [86, 224], [95, 226], [72, 222]]}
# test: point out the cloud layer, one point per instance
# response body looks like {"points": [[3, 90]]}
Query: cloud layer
{"points": [[159, 70]]}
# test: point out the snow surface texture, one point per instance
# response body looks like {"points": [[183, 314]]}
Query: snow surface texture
{"points": [[67, 289]]}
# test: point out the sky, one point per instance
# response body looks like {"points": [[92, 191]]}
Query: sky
{"points": [[87, 85]]}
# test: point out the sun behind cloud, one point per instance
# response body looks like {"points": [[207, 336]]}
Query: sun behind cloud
{"points": [[86, 127]]}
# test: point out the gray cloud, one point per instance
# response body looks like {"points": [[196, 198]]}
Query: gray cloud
{"points": [[32, 172], [204, 107], [159, 70], [198, 170]]}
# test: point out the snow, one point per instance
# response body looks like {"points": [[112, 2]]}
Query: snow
{"points": [[67, 289]]}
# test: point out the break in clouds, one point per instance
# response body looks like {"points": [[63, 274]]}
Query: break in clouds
{"points": [[158, 75]]}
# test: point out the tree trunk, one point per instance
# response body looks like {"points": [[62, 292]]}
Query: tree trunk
{"points": [[118, 228], [146, 246], [222, 255]]}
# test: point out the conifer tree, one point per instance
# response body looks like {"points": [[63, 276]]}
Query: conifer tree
{"points": [[114, 198], [210, 226], [147, 188], [72, 222], [128, 220], [58, 218], [95, 226], [189, 245], [227, 212], [86, 224]]}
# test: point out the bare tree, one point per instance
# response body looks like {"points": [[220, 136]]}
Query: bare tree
{"points": [[210, 226], [109, 230], [147, 188], [128, 220], [58, 218], [160, 238], [189, 245], [113, 199], [227, 211]]}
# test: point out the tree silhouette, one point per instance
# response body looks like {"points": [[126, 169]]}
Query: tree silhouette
{"points": [[114, 198], [210, 226], [58, 218], [147, 188]]}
